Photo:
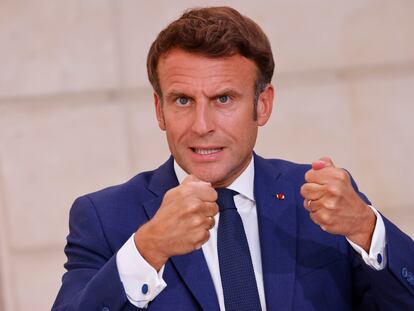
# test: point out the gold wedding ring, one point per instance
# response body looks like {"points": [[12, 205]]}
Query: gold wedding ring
{"points": [[310, 205]]}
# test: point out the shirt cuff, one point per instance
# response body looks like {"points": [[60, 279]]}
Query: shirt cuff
{"points": [[141, 281], [377, 258]]}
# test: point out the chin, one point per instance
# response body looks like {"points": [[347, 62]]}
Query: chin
{"points": [[216, 180], [207, 175]]}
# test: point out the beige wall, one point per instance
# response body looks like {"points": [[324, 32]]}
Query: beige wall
{"points": [[76, 110]]}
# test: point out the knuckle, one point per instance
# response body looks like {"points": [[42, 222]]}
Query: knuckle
{"points": [[171, 192], [215, 209], [194, 205], [308, 175], [341, 175], [182, 191], [197, 221], [195, 241], [214, 194], [324, 218], [303, 190], [200, 238], [206, 222], [197, 245], [211, 209], [205, 236], [330, 204], [333, 190], [213, 222], [198, 205], [189, 179]]}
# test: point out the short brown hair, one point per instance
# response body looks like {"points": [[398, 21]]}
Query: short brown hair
{"points": [[214, 32]]}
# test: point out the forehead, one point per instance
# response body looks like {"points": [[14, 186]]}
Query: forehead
{"points": [[179, 68]]}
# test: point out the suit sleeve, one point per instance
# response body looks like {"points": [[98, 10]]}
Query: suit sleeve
{"points": [[92, 280], [390, 288]]}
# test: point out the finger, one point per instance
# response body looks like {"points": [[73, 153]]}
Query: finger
{"points": [[201, 237], [312, 191], [210, 223], [206, 193], [202, 190], [317, 165], [210, 209], [327, 160], [319, 216], [193, 178], [311, 205], [307, 204], [314, 218], [321, 176], [323, 162]]}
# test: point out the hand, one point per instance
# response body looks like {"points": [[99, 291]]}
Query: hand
{"points": [[335, 206], [181, 224]]}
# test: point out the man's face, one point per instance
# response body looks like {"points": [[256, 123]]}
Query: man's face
{"points": [[207, 113]]}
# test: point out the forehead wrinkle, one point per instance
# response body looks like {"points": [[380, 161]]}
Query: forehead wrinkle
{"points": [[204, 87], [195, 74]]}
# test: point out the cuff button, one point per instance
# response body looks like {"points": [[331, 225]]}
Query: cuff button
{"points": [[379, 258], [145, 289]]}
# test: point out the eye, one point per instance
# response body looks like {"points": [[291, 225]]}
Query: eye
{"points": [[223, 99], [182, 101]]}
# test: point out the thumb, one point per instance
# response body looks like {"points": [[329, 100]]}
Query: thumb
{"points": [[193, 178], [322, 163]]}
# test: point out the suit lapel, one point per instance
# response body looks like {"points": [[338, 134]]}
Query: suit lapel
{"points": [[191, 267], [277, 231], [194, 270]]}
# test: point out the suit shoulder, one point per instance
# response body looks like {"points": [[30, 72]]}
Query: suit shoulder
{"points": [[130, 191], [290, 170]]}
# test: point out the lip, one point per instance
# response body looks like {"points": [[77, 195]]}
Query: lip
{"points": [[218, 151]]}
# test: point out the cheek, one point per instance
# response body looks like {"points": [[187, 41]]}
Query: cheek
{"points": [[175, 132], [242, 132], [248, 131], [251, 136]]}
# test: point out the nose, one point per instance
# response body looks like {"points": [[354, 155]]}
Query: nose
{"points": [[203, 123]]}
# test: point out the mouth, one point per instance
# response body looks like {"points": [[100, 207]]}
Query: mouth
{"points": [[206, 151]]}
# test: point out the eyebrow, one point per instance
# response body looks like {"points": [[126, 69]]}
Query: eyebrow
{"points": [[176, 94], [228, 91]]}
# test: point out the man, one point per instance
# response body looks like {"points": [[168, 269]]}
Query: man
{"points": [[287, 237]]}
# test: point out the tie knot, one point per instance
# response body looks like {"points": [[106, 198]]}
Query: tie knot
{"points": [[225, 198]]}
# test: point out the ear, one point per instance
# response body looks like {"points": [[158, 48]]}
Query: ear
{"points": [[265, 105], [159, 113]]}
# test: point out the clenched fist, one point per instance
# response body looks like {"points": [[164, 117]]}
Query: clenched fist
{"points": [[335, 206], [181, 224]]}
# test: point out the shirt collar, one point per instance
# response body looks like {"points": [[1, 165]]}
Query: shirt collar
{"points": [[242, 184]]}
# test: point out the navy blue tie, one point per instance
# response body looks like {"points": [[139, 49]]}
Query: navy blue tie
{"points": [[236, 268]]}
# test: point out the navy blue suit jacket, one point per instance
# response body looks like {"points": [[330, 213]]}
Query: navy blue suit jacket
{"points": [[304, 268]]}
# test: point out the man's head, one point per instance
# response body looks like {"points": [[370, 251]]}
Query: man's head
{"points": [[207, 70], [214, 32]]}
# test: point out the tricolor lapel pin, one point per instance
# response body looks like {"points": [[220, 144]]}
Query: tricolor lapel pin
{"points": [[280, 196]]}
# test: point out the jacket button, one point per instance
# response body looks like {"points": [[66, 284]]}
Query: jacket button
{"points": [[404, 272]]}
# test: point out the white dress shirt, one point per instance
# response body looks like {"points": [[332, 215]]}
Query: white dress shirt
{"points": [[142, 283]]}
